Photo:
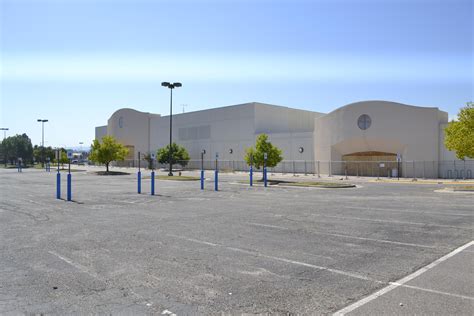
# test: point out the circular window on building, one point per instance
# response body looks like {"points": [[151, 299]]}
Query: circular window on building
{"points": [[364, 122]]}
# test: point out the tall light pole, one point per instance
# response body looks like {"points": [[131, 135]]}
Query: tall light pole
{"points": [[80, 144], [42, 140], [4, 129], [171, 86]]}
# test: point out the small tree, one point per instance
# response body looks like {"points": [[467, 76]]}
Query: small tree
{"points": [[255, 155], [63, 157], [39, 151], [460, 133], [149, 160], [107, 151], [179, 155]]}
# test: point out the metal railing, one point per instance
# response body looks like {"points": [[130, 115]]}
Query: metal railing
{"points": [[453, 169]]}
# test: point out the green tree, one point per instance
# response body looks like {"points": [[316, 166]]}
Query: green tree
{"points": [[459, 135], [149, 160], [179, 155], [17, 146], [107, 151], [49, 152], [255, 155], [63, 157]]}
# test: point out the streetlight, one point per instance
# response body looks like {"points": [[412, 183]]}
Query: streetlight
{"points": [[42, 140], [80, 144], [4, 129], [171, 86]]}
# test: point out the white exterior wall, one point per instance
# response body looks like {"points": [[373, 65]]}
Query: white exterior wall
{"points": [[415, 132], [228, 127], [100, 131], [132, 128], [395, 128]]}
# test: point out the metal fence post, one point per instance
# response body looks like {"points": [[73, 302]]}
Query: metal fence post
{"points": [[305, 173], [330, 168], [424, 169], [464, 169], [414, 172], [455, 171], [294, 172], [319, 174]]}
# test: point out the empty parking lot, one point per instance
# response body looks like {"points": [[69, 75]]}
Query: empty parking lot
{"points": [[239, 250]]}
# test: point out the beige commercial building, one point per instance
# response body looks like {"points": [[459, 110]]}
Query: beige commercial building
{"points": [[363, 138]]}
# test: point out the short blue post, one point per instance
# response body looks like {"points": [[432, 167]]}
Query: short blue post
{"points": [[216, 175], [139, 178], [69, 191], [58, 186], [251, 176], [202, 179], [153, 183], [265, 156], [265, 176]]}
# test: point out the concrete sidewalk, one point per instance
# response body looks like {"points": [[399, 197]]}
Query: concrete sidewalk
{"points": [[444, 287]]}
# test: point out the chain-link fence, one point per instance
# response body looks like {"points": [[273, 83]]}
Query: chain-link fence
{"points": [[454, 169]]}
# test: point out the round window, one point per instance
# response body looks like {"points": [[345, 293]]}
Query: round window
{"points": [[364, 122]]}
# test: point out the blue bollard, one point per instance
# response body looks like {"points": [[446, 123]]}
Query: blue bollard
{"points": [[58, 186], [153, 183], [216, 180], [139, 178], [202, 179], [251, 176], [69, 189], [265, 176]]}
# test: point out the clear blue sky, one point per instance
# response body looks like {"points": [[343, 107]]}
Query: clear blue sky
{"points": [[75, 62]]}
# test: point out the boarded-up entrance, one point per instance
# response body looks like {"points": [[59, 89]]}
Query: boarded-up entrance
{"points": [[370, 163]]}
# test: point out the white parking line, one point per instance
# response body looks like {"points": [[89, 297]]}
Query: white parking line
{"points": [[256, 253], [421, 212], [75, 265], [350, 237], [401, 282], [391, 221]]}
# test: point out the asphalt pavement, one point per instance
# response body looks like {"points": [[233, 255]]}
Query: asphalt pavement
{"points": [[241, 250]]}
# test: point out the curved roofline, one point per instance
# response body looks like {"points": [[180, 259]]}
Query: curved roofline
{"points": [[133, 110], [382, 101]]}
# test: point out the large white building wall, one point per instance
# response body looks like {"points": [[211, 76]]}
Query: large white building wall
{"points": [[395, 128], [132, 129], [215, 130], [100, 131], [236, 128]]}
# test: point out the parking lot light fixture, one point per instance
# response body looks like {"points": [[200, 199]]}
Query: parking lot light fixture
{"points": [[42, 121], [171, 86]]}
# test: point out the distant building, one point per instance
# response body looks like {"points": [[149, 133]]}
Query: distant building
{"points": [[365, 131]]}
